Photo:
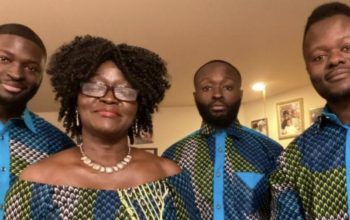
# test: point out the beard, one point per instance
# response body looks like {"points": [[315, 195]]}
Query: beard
{"points": [[332, 96], [222, 120], [19, 101]]}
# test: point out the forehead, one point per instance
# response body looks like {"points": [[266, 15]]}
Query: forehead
{"points": [[110, 71], [216, 72], [21, 47], [327, 31]]}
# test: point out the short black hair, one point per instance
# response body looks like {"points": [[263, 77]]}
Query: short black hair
{"points": [[325, 11], [78, 61], [217, 61], [23, 31]]}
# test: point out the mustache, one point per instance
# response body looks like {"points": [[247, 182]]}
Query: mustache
{"points": [[216, 103]]}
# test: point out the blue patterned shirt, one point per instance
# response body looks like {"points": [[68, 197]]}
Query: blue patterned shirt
{"points": [[313, 177], [24, 141], [229, 170]]}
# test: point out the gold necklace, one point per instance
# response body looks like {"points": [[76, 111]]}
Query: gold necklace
{"points": [[101, 168]]}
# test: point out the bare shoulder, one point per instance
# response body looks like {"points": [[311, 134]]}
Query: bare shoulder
{"points": [[169, 167], [43, 170], [164, 167]]}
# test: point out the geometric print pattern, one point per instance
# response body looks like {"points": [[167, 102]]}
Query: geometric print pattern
{"points": [[27, 147], [170, 198], [310, 182], [245, 151]]}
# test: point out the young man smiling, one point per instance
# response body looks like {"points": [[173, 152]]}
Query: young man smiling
{"points": [[313, 178], [24, 137], [229, 163]]}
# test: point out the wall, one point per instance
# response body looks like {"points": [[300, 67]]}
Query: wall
{"points": [[254, 110], [173, 123], [170, 125]]}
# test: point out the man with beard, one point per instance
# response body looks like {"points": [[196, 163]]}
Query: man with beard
{"points": [[24, 137], [313, 177], [229, 163]]}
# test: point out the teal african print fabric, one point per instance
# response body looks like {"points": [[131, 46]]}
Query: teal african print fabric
{"points": [[310, 182], [249, 159], [167, 199]]}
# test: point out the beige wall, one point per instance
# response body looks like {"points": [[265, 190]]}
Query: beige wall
{"points": [[172, 124], [254, 110]]}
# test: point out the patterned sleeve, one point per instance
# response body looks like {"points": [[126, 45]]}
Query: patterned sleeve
{"points": [[183, 197], [286, 203]]}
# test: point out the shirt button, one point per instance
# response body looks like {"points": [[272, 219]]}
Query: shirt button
{"points": [[1, 207], [219, 133], [220, 150], [3, 168], [217, 174], [2, 137], [218, 206]]}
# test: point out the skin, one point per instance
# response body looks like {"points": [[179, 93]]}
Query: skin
{"points": [[326, 52], [217, 92], [105, 122], [22, 63]]}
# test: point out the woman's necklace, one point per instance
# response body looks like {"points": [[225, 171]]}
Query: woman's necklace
{"points": [[101, 168]]}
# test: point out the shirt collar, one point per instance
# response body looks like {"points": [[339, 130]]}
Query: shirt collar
{"points": [[327, 115], [235, 129], [28, 120]]}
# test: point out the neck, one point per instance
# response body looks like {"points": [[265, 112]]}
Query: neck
{"points": [[8, 112], [341, 110], [105, 152]]}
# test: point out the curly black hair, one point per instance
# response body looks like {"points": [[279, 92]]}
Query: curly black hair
{"points": [[79, 60]]}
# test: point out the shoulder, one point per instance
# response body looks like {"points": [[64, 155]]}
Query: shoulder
{"points": [[161, 167], [42, 171], [261, 137], [178, 146]]}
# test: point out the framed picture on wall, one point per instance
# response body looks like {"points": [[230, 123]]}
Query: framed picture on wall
{"points": [[290, 118], [144, 138], [260, 125], [314, 113]]}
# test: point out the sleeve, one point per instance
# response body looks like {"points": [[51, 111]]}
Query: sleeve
{"points": [[183, 198], [285, 202], [17, 202]]}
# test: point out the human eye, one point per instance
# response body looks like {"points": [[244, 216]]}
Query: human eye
{"points": [[318, 58], [33, 69], [229, 88], [346, 48], [206, 88], [4, 59]]}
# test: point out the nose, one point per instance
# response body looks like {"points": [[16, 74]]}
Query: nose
{"points": [[217, 93], [15, 71], [109, 98], [336, 58]]}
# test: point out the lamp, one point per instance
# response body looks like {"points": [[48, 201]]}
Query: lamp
{"points": [[261, 86]]}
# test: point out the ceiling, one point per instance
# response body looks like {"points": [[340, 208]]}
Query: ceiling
{"points": [[262, 38]]}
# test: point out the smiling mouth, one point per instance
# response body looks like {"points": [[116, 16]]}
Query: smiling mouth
{"points": [[11, 89], [337, 75]]}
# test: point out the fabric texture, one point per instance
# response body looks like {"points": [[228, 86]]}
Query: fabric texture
{"points": [[30, 139], [27, 147], [310, 182], [245, 196], [168, 199]]}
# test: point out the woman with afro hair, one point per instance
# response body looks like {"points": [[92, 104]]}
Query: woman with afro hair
{"points": [[108, 94]]}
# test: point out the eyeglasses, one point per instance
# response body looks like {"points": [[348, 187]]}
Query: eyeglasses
{"points": [[99, 90]]}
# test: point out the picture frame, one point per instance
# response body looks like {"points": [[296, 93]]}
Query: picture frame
{"points": [[261, 126], [314, 113], [290, 118], [151, 150], [145, 137]]}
